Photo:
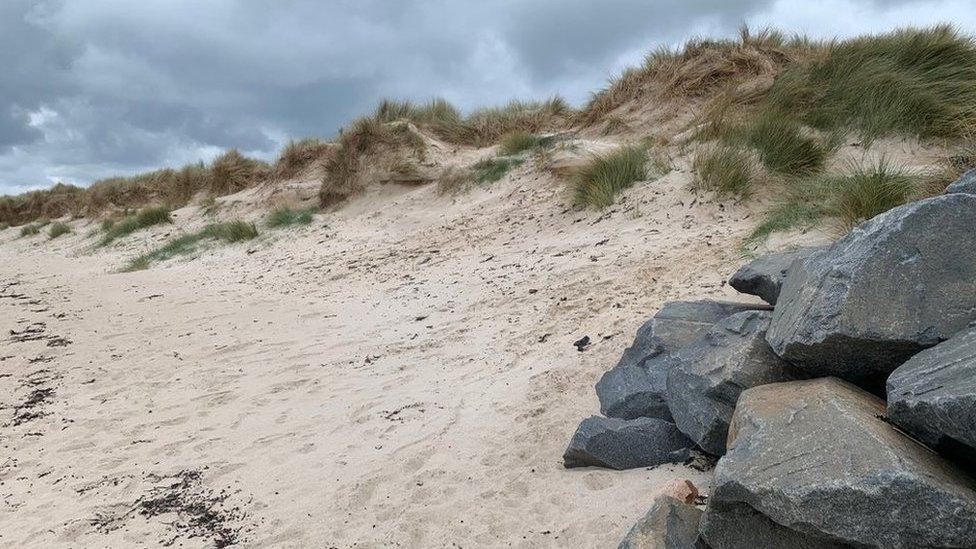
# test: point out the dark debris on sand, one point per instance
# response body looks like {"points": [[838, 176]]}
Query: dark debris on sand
{"points": [[188, 508]]}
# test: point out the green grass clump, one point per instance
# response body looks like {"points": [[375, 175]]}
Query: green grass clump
{"points": [[232, 231], [147, 217], [783, 147], [724, 170], [284, 216], [490, 170], [865, 191], [180, 245], [140, 263], [792, 213], [597, 183], [29, 230], [517, 142], [915, 82], [57, 229], [868, 191]]}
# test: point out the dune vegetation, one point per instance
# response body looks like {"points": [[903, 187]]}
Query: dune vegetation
{"points": [[286, 216], [769, 113], [229, 232], [147, 217], [58, 229], [598, 182]]}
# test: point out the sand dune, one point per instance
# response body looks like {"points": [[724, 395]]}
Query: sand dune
{"points": [[399, 373]]}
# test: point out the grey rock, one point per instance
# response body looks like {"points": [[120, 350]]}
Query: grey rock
{"points": [[815, 457], [636, 386], [669, 524], [763, 277], [933, 396], [630, 391], [712, 371], [678, 323], [739, 526], [897, 284], [965, 184], [626, 444]]}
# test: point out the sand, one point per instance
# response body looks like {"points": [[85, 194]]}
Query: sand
{"points": [[400, 373]]}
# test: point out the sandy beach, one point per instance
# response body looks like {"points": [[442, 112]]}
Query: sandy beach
{"points": [[399, 373]]}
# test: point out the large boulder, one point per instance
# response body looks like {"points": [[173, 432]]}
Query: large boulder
{"points": [[933, 396], [897, 284], [626, 444], [738, 526], [965, 184], [713, 370], [816, 458], [764, 277], [669, 524], [636, 386]]}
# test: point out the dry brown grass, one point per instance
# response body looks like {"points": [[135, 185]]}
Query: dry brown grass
{"points": [[52, 203], [454, 180], [482, 127], [358, 148], [228, 173], [700, 68], [298, 156]]}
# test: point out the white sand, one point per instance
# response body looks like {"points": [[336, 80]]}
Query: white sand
{"points": [[399, 373]]}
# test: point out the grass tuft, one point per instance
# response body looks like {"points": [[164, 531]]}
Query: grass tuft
{"points": [[869, 190], [866, 190], [29, 230], [782, 145], [491, 170], [232, 231], [453, 180], [597, 183], [57, 229], [299, 155], [285, 216], [790, 214], [518, 142], [724, 170], [147, 217]]}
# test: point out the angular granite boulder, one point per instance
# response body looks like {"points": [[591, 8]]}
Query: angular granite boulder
{"points": [[669, 524], [711, 372], [965, 184], [734, 525], [636, 386], [626, 444], [816, 458], [897, 284], [933, 396], [764, 277]]}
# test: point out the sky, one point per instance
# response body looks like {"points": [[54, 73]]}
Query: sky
{"points": [[91, 88]]}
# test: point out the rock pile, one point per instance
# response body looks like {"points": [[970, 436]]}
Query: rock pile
{"points": [[635, 391], [814, 452]]}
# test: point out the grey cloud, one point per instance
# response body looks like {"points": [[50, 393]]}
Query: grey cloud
{"points": [[107, 86]]}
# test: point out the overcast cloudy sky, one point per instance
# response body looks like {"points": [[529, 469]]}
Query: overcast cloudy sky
{"points": [[90, 88]]}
